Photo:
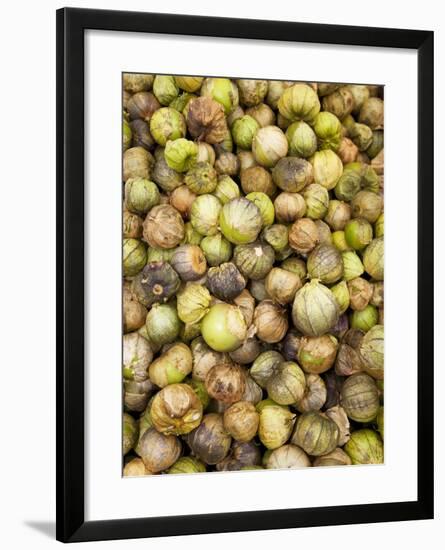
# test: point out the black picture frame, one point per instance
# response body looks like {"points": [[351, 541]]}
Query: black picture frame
{"points": [[71, 24]]}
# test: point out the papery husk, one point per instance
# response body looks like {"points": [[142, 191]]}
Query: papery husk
{"points": [[209, 441], [275, 427], [241, 421], [360, 397], [287, 456], [158, 451], [339, 416], [206, 120], [270, 321], [365, 447], [315, 394], [163, 227], [315, 433], [337, 457], [176, 410], [226, 382], [315, 310], [371, 351]]}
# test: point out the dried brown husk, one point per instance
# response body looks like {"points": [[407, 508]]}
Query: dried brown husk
{"points": [[137, 82], [158, 451], [303, 235], [314, 396], [334, 384], [206, 120], [132, 225], [141, 136], [142, 105], [253, 392], [337, 457], [137, 163], [136, 357], [241, 454], [176, 410], [377, 297], [226, 382], [257, 178], [134, 313], [227, 164], [247, 352], [282, 285], [137, 394], [135, 467], [292, 174], [163, 227], [246, 303], [246, 160], [182, 199], [340, 103], [209, 441], [289, 207], [368, 205], [326, 88], [251, 92], [270, 321], [339, 416], [339, 213], [372, 113], [378, 163], [204, 358], [263, 114], [347, 151], [348, 359], [360, 293]]}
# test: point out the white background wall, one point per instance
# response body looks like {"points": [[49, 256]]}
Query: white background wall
{"points": [[27, 302]]}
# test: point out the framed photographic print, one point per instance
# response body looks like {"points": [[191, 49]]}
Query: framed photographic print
{"points": [[245, 282]]}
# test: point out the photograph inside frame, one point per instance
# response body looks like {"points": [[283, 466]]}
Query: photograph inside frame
{"points": [[252, 274]]}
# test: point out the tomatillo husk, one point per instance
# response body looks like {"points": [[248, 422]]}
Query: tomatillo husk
{"points": [[315, 433], [315, 310], [275, 427], [360, 397], [365, 447], [176, 410], [172, 366], [241, 421], [209, 441], [158, 451], [287, 456]]}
